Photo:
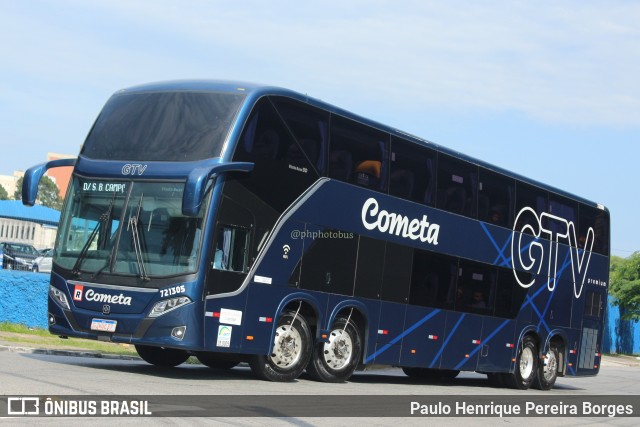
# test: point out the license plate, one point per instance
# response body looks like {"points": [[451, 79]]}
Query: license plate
{"points": [[103, 325]]}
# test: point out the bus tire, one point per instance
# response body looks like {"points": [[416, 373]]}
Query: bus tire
{"points": [[162, 356], [526, 369], [548, 370], [216, 361], [291, 350], [336, 360]]}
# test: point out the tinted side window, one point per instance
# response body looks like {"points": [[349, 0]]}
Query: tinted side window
{"points": [[358, 154], [496, 197], [370, 267], [413, 174], [565, 209], [433, 280], [476, 288], [529, 197], [280, 175], [457, 185], [328, 265], [397, 273], [509, 295], [599, 220], [310, 127], [232, 249], [593, 302]]}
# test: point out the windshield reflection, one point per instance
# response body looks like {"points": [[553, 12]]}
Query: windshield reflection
{"points": [[128, 228]]}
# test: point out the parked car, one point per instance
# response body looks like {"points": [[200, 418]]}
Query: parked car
{"points": [[18, 256], [42, 264]]}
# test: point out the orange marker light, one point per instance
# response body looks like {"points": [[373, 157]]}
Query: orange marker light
{"points": [[249, 337]]}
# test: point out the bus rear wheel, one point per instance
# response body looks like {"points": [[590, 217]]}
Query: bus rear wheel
{"points": [[216, 361], [162, 356], [335, 360], [548, 370], [291, 350], [526, 365]]}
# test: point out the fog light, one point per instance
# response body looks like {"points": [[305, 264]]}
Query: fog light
{"points": [[52, 319], [178, 332]]}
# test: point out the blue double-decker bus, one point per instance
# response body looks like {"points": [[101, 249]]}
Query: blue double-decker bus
{"points": [[245, 223]]}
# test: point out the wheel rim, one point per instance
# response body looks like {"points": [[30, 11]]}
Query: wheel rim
{"points": [[550, 366], [337, 353], [526, 363], [287, 348]]}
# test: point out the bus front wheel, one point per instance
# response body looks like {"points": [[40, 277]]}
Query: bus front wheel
{"points": [[335, 360], [526, 368], [162, 356], [291, 350]]}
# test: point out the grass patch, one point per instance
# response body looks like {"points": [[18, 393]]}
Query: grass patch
{"points": [[41, 338], [22, 329]]}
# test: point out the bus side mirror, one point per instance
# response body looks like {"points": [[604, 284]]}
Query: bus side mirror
{"points": [[197, 182], [33, 175]]}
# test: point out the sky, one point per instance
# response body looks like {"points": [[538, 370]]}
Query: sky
{"points": [[547, 89]]}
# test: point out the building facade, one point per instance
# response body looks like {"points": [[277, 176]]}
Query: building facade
{"points": [[35, 225]]}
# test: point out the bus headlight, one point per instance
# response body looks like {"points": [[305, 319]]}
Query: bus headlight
{"points": [[167, 305], [58, 296]]}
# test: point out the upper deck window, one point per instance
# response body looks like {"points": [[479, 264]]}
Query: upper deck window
{"points": [[162, 126]]}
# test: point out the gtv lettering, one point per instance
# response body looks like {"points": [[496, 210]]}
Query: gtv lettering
{"points": [[133, 169], [530, 257], [393, 223]]}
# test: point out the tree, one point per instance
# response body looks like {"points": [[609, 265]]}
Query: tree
{"points": [[48, 193], [624, 285], [3, 193]]}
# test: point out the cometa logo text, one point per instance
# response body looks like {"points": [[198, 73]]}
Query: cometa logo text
{"points": [[91, 295], [400, 225]]}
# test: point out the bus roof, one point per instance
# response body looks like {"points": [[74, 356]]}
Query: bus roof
{"points": [[255, 91]]}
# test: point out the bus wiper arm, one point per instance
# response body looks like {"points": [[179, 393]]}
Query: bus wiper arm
{"points": [[104, 217], [135, 235]]}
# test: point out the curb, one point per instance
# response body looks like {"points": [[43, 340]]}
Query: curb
{"points": [[68, 353]]}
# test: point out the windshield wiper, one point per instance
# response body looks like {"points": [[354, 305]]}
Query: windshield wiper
{"points": [[135, 236], [104, 217]]}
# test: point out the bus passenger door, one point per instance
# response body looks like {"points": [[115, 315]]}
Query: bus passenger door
{"points": [[227, 269]]}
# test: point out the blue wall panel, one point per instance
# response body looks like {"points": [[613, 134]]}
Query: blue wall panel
{"points": [[23, 298]]}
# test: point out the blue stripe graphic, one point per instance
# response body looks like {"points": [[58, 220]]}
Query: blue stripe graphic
{"points": [[402, 335], [447, 340], [486, 340]]}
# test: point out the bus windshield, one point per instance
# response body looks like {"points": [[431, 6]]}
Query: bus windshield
{"points": [[162, 126], [128, 228]]}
